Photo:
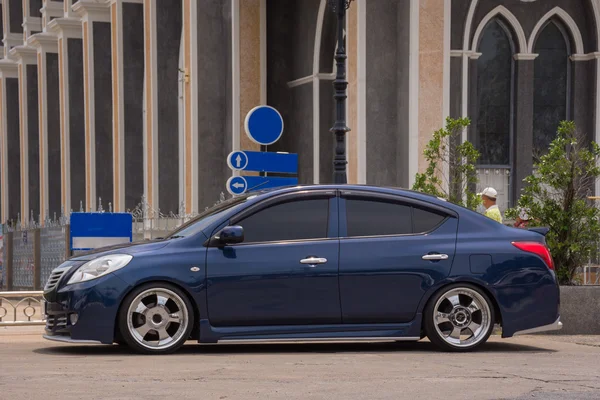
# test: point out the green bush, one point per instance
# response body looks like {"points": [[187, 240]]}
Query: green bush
{"points": [[555, 197], [446, 149]]}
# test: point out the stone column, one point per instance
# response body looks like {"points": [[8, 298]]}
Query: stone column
{"points": [[12, 19], [127, 38], [32, 20], [10, 174], [523, 134], [49, 124], [26, 57], [72, 111], [50, 10], [165, 82], [191, 78], [98, 101]]}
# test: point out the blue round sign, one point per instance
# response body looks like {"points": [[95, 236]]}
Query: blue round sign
{"points": [[237, 160], [237, 185], [264, 125]]}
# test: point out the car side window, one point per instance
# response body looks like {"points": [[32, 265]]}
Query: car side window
{"points": [[377, 218], [293, 220], [384, 218], [426, 220]]}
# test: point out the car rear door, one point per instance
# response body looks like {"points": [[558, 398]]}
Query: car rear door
{"points": [[269, 279], [392, 249]]}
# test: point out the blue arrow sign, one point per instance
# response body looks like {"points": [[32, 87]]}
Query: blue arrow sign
{"points": [[264, 125], [237, 160], [268, 182], [263, 162], [237, 185]]}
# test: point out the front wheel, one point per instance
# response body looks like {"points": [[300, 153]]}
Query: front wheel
{"points": [[459, 318], [156, 319]]}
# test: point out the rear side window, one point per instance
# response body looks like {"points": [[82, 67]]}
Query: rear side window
{"points": [[295, 220], [384, 218], [425, 220], [375, 218]]}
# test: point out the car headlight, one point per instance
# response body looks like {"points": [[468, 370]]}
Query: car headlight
{"points": [[100, 267]]}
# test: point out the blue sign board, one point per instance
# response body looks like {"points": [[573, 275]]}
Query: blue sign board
{"points": [[268, 182], [237, 185], [95, 230], [263, 162], [264, 125]]}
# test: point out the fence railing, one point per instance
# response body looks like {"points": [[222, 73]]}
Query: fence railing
{"points": [[21, 308], [32, 249]]}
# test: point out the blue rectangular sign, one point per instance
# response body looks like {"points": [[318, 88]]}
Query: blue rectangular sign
{"points": [[272, 162], [268, 182], [95, 230]]}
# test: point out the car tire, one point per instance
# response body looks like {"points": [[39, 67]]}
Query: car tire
{"points": [[156, 318], [459, 318]]}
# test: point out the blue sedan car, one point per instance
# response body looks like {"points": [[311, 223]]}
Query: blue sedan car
{"points": [[321, 262]]}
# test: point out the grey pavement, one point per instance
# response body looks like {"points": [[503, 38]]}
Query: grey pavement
{"points": [[528, 367]]}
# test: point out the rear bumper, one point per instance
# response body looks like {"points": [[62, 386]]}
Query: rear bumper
{"points": [[557, 325]]}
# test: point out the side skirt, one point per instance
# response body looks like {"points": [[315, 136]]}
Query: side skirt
{"points": [[410, 331]]}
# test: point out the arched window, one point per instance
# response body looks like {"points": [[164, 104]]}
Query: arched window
{"points": [[552, 75], [495, 74]]}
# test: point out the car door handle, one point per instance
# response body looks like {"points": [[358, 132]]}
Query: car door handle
{"points": [[313, 261], [435, 257]]}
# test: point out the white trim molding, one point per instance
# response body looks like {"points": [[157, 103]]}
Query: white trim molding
{"points": [[512, 21], [413, 93], [361, 93], [567, 19], [317, 91], [525, 56]]}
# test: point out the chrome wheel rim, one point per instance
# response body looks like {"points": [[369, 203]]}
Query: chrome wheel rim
{"points": [[462, 317], [157, 319]]}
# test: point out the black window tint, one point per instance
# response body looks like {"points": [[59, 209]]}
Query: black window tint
{"points": [[297, 220], [424, 221], [374, 218]]}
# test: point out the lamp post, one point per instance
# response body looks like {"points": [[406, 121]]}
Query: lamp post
{"points": [[340, 85]]}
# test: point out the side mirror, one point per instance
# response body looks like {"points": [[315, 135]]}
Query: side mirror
{"points": [[231, 235]]}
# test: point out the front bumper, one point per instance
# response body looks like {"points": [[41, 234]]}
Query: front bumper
{"points": [[557, 325], [66, 339], [94, 303]]}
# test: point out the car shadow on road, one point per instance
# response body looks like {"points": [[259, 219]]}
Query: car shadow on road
{"points": [[192, 348]]}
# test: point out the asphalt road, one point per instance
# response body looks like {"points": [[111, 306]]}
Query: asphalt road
{"points": [[529, 367]]}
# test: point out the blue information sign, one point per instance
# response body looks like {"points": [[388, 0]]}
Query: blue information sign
{"points": [[268, 182], [95, 230], [263, 162], [264, 125], [237, 185]]}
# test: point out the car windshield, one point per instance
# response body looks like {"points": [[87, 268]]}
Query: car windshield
{"points": [[207, 217]]}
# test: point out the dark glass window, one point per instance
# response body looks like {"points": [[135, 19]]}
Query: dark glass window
{"points": [[425, 221], [494, 94], [551, 85], [296, 220], [374, 218]]}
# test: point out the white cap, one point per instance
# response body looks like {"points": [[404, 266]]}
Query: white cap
{"points": [[489, 192]]}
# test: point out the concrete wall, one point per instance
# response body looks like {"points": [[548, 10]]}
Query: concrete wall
{"points": [[76, 123], [53, 116], [580, 310]]}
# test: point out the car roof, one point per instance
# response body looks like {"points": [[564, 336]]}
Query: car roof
{"points": [[369, 188]]}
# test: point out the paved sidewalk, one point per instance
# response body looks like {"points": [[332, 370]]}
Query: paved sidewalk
{"points": [[528, 367]]}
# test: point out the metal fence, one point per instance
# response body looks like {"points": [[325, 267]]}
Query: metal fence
{"points": [[32, 249]]}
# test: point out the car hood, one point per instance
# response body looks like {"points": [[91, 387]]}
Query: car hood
{"points": [[126, 248]]}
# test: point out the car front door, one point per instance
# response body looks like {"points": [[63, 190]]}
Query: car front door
{"points": [[285, 272], [392, 250]]}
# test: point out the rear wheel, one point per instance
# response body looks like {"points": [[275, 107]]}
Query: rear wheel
{"points": [[156, 319], [459, 318]]}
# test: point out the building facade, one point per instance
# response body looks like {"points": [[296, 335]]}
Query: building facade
{"points": [[109, 101]]}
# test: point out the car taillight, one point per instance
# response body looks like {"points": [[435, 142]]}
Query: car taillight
{"points": [[536, 248]]}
